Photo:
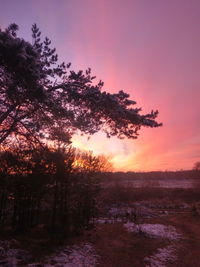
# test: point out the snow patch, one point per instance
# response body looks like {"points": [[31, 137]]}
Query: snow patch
{"points": [[12, 257], [75, 256], [162, 257], [109, 220], [154, 230]]}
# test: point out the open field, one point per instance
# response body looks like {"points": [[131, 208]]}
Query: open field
{"points": [[167, 179]]}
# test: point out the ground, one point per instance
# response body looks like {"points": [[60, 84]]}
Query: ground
{"points": [[165, 232]]}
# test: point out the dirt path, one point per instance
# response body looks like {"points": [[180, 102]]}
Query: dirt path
{"points": [[188, 249], [189, 252]]}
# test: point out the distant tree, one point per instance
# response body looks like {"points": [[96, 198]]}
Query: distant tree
{"points": [[86, 161], [197, 166], [41, 99]]}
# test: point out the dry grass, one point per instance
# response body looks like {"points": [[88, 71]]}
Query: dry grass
{"points": [[117, 194]]}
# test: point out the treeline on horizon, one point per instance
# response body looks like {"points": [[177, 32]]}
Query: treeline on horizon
{"points": [[180, 174]]}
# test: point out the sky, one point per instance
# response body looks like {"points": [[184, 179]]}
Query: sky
{"points": [[148, 48]]}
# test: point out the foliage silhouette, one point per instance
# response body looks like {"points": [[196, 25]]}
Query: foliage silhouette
{"points": [[41, 99], [46, 186], [197, 166]]}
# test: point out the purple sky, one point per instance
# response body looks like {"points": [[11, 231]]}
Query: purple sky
{"points": [[150, 49]]}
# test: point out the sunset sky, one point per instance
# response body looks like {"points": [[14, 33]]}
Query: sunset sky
{"points": [[148, 48]]}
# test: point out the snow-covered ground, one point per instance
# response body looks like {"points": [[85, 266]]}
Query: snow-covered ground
{"points": [[105, 220], [136, 209], [12, 257], [122, 213], [75, 256], [154, 230], [162, 257]]}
